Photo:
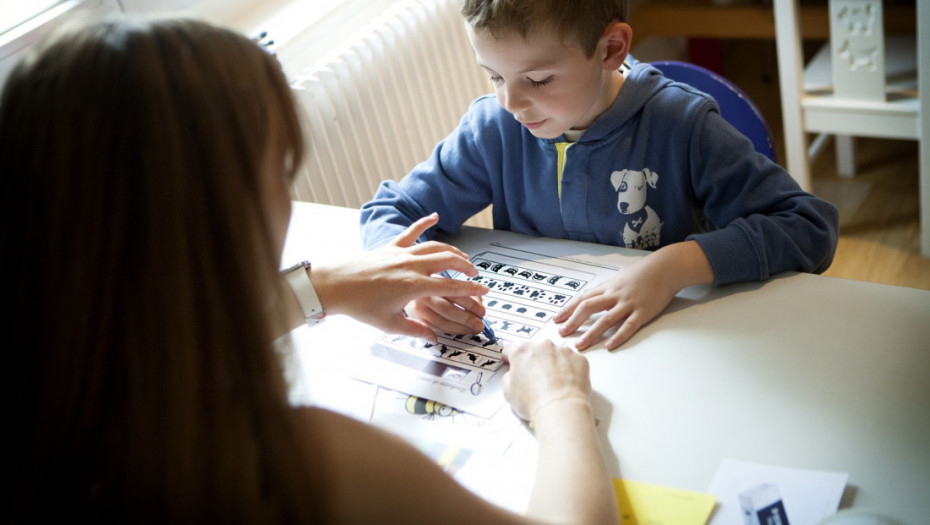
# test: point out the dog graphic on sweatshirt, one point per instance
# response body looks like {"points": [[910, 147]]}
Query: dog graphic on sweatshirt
{"points": [[641, 227]]}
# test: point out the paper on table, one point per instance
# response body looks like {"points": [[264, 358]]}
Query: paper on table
{"points": [[527, 289], [645, 503], [809, 496]]}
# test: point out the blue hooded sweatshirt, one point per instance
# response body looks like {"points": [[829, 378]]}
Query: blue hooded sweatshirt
{"points": [[659, 166]]}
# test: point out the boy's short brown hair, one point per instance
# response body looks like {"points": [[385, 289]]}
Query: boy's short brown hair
{"points": [[583, 21]]}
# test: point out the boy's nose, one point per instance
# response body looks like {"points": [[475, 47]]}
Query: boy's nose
{"points": [[513, 99]]}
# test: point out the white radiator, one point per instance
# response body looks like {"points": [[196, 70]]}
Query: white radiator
{"points": [[379, 105]]}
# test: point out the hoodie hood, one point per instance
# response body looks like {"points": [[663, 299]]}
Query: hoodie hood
{"points": [[640, 86]]}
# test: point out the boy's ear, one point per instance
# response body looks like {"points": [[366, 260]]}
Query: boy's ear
{"points": [[616, 41]]}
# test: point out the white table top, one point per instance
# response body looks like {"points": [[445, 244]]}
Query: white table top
{"points": [[801, 371]]}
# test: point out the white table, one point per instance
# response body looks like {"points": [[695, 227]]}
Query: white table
{"points": [[801, 371]]}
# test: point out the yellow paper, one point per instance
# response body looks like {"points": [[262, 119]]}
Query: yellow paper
{"points": [[647, 504]]}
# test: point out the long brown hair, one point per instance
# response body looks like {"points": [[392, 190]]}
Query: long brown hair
{"points": [[141, 380]]}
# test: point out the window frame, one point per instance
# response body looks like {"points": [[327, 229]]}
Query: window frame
{"points": [[15, 41], [321, 32], [31, 29]]}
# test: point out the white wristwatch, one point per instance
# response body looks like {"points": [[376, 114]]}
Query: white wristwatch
{"points": [[298, 277]]}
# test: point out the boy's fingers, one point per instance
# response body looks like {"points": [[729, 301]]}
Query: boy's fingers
{"points": [[571, 307], [624, 333], [569, 327], [627, 325], [592, 334], [566, 310], [569, 315], [580, 315], [445, 316]]}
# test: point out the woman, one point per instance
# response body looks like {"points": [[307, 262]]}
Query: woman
{"points": [[146, 168]]}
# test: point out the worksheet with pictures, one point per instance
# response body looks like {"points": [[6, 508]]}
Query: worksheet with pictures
{"points": [[463, 371]]}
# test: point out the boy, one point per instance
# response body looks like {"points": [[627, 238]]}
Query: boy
{"points": [[580, 143]]}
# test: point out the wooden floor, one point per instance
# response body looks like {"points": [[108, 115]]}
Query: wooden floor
{"points": [[879, 209]]}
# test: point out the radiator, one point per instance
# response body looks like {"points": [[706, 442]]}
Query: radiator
{"points": [[378, 106]]}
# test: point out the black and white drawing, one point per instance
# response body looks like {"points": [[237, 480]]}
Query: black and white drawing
{"points": [[524, 296]]}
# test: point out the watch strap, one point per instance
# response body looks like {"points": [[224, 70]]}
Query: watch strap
{"points": [[298, 277]]}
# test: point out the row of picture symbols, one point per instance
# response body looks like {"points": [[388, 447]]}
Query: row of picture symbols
{"points": [[450, 349], [532, 293], [473, 359], [474, 340], [529, 274], [506, 326], [455, 340], [478, 351], [517, 309]]}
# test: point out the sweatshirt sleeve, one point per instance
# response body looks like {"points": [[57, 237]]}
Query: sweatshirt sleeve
{"points": [[453, 181], [760, 222]]}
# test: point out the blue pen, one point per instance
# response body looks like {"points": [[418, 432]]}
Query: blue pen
{"points": [[488, 331]]}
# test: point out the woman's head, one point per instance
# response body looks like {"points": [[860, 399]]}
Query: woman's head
{"points": [[172, 118], [145, 167]]}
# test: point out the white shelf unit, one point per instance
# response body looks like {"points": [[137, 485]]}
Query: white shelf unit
{"points": [[878, 90]]}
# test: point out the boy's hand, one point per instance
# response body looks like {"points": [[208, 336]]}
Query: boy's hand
{"points": [[453, 315], [636, 295], [629, 300]]}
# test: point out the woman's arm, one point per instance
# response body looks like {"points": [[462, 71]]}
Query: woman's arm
{"points": [[376, 477], [375, 286], [549, 386]]}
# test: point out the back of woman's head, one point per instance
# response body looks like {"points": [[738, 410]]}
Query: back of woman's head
{"points": [[141, 263]]}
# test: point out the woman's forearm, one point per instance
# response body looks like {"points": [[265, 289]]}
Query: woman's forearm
{"points": [[572, 483]]}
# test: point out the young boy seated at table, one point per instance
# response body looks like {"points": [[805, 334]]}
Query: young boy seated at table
{"points": [[581, 141]]}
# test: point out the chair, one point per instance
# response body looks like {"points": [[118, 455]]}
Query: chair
{"points": [[735, 106], [860, 84]]}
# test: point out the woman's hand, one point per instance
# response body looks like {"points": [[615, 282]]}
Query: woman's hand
{"points": [[376, 286], [542, 374], [549, 385]]}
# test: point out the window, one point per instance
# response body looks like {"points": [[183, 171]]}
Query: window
{"points": [[15, 12], [24, 22]]}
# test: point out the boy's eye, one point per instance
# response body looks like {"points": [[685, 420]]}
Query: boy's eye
{"points": [[497, 80], [540, 83]]}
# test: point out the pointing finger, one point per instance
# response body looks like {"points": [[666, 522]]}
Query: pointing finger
{"points": [[415, 230]]}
